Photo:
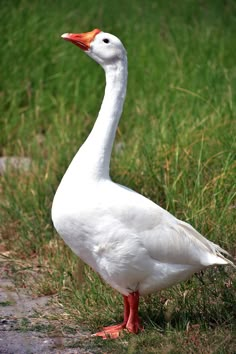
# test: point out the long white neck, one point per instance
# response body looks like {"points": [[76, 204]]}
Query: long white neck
{"points": [[94, 156]]}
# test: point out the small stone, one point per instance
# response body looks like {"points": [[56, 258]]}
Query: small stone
{"points": [[14, 163]]}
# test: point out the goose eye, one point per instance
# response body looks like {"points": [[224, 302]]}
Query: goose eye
{"points": [[105, 40]]}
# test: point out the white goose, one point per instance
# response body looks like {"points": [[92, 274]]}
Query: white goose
{"points": [[136, 246]]}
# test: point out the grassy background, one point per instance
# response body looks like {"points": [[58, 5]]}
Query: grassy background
{"points": [[175, 144]]}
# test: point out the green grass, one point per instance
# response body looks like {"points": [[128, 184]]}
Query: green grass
{"points": [[178, 132], [6, 303]]}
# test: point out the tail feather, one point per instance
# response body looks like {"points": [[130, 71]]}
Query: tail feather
{"points": [[218, 252]]}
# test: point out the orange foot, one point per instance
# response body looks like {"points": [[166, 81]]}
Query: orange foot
{"points": [[131, 321], [110, 332]]}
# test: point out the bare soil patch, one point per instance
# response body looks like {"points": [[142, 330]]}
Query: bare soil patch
{"points": [[27, 325]]}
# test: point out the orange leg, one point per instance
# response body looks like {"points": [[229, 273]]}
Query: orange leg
{"points": [[131, 320], [133, 324]]}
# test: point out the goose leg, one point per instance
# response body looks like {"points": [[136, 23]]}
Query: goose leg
{"points": [[131, 320], [133, 324]]}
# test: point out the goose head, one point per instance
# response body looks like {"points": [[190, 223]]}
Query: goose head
{"points": [[103, 47]]}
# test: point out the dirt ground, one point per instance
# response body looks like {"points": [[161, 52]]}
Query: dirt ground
{"points": [[26, 329]]}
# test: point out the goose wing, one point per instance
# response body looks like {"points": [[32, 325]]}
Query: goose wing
{"points": [[166, 239]]}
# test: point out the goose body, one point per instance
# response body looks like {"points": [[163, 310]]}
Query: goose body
{"points": [[136, 246]]}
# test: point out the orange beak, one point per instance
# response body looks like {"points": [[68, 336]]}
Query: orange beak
{"points": [[82, 40]]}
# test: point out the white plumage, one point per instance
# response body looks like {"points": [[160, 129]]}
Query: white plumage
{"points": [[136, 246]]}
